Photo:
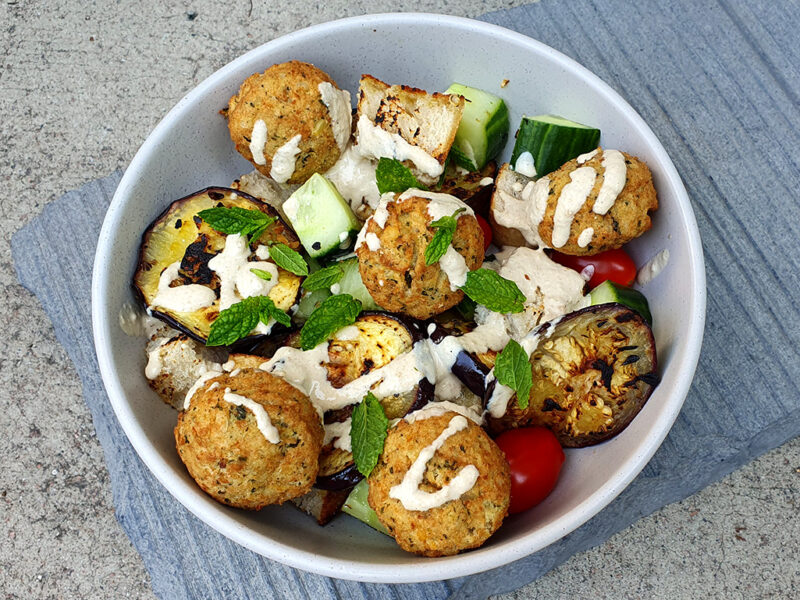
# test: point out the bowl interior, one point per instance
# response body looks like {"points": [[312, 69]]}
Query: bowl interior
{"points": [[191, 149]]}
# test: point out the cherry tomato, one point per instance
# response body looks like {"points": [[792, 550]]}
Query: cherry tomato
{"points": [[535, 458], [487, 232], [615, 265]]}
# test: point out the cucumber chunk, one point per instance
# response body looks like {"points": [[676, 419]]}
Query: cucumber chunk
{"points": [[357, 506], [320, 217], [351, 284], [608, 291], [483, 130], [546, 142]]}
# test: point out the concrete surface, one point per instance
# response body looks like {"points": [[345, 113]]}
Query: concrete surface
{"points": [[81, 85]]}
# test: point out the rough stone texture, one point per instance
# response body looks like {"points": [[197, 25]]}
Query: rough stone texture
{"points": [[81, 85]]}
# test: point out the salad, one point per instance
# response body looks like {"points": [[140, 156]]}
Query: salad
{"points": [[380, 320]]}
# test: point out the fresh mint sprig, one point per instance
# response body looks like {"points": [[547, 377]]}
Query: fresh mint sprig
{"points": [[288, 259], [331, 315], [368, 433], [496, 293], [445, 229], [324, 278], [393, 176], [234, 219], [238, 320], [513, 369], [261, 273]]}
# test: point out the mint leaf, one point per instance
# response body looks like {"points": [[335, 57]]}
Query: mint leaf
{"points": [[288, 259], [324, 278], [368, 433], [445, 229], [513, 369], [265, 275], [234, 219], [238, 320], [496, 293], [466, 308], [393, 176], [331, 315]]}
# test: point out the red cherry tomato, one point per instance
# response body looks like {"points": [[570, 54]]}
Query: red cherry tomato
{"points": [[535, 458], [615, 265], [487, 232]]}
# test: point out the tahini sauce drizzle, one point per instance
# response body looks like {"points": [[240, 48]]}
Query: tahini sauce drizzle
{"points": [[265, 426], [413, 498]]}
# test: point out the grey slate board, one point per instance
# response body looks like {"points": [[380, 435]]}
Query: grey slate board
{"points": [[719, 85]]}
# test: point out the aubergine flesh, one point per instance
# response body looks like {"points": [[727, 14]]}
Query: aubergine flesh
{"points": [[178, 234], [381, 338], [467, 186], [593, 371]]}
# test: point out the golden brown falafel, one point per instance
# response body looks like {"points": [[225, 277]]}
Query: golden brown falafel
{"points": [[628, 217], [395, 273], [588, 232], [460, 524], [287, 100], [229, 456]]}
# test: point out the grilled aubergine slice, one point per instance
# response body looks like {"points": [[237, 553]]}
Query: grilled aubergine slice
{"points": [[471, 187], [593, 370], [381, 338], [178, 234]]}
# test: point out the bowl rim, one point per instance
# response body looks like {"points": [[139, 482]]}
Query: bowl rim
{"points": [[686, 355]]}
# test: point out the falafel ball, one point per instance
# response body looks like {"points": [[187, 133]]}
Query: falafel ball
{"points": [[459, 524], [628, 217], [288, 100], [223, 441], [393, 268]]}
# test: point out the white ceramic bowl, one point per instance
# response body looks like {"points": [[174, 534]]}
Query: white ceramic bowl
{"points": [[190, 149]]}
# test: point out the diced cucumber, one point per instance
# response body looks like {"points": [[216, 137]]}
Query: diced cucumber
{"points": [[351, 284], [483, 130], [308, 303], [608, 291], [550, 141], [357, 506], [320, 217]]}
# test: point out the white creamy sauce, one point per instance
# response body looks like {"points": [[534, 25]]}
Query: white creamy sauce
{"points": [[587, 272], [305, 371], [525, 165], [265, 426], [614, 176], [137, 323], [229, 366], [587, 157], [486, 181], [375, 142], [413, 498], [573, 196], [201, 381], [258, 138], [439, 204], [339, 434], [585, 238], [262, 252], [236, 280], [523, 209], [559, 288], [373, 242], [454, 266], [343, 236], [213, 386], [235, 372], [183, 298], [498, 402], [339, 110], [438, 408], [652, 267], [283, 161], [154, 363], [354, 178]]}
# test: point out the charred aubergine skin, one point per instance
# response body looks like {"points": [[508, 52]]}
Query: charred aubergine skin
{"points": [[178, 234], [592, 371]]}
